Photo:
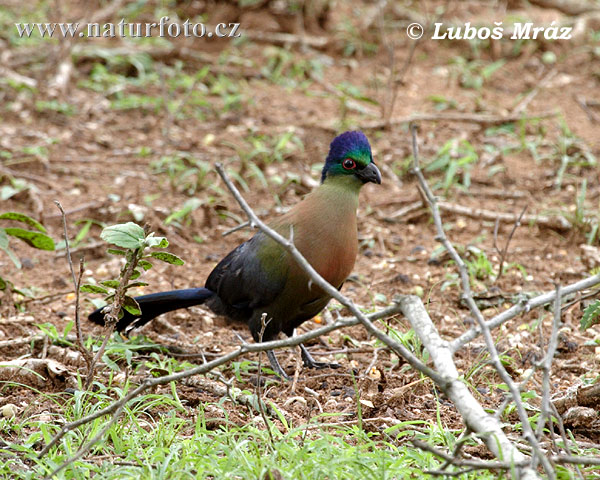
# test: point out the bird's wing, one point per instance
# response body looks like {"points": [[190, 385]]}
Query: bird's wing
{"points": [[252, 275]]}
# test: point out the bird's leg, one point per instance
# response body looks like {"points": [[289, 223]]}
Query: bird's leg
{"points": [[275, 365], [310, 362]]}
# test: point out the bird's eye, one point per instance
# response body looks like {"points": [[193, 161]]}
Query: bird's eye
{"points": [[349, 164]]}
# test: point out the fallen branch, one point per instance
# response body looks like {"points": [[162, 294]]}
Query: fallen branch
{"points": [[556, 223], [480, 118], [568, 6], [473, 414], [582, 395], [467, 296], [524, 306]]}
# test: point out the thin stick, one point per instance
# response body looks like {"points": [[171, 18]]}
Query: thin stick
{"points": [[467, 296], [504, 251], [524, 306], [259, 399], [85, 353]]}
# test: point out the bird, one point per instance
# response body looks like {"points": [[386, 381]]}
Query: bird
{"points": [[260, 277]]}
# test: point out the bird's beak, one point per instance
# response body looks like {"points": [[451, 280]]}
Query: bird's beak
{"points": [[370, 173]]}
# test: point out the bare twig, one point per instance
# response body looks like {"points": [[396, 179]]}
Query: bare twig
{"points": [[85, 353], [259, 399], [479, 118], [569, 7], [241, 226], [546, 365], [585, 106], [521, 307], [468, 298], [464, 462], [522, 105], [504, 251], [558, 223]]}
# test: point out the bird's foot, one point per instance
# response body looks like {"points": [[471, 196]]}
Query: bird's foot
{"points": [[275, 365], [310, 362]]}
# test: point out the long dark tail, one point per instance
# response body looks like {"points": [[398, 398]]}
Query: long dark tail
{"points": [[155, 304]]}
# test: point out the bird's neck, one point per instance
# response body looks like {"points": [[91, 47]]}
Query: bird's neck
{"points": [[344, 185]]}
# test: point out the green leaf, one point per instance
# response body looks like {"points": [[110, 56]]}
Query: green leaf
{"points": [[167, 257], [124, 235], [116, 251], [2, 284], [156, 242], [136, 274], [34, 239], [19, 217], [110, 283], [146, 265], [131, 305], [110, 364], [82, 233], [590, 315], [88, 288], [137, 284]]}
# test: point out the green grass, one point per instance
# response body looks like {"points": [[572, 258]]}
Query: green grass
{"points": [[153, 441]]}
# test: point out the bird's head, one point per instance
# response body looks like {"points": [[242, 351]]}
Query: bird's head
{"points": [[350, 157]]}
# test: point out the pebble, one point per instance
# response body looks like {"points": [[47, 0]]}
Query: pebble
{"points": [[9, 410]]}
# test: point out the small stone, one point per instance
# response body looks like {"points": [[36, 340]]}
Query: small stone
{"points": [[9, 410]]}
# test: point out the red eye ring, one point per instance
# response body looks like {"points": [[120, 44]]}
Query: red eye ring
{"points": [[349, 164]]}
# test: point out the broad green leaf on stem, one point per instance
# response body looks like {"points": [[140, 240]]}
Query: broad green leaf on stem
{"points": [[124, 235], [167, 257], [34, 239], [157, 242], [131, 305], [136, 274], [146, 265], [88, 288], [110, 283], [116, 251], [20, 217], [137, 284]]}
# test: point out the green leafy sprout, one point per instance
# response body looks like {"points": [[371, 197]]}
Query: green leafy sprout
{"points": [[135, 245]]}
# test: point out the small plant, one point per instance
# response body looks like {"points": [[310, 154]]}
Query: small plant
{"points": [[455, 158], [286, 68], [442, 103], [186, 173], [35, 238], [591, 315], [473, 74], [134, 244], [584, 220], [63, 108], [17, 185], [478, 264]]}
